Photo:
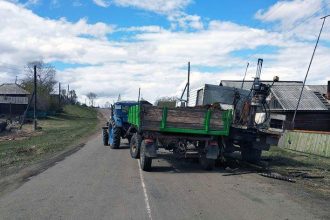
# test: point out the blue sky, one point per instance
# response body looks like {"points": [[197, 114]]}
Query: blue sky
{"points": [[117, 46]]}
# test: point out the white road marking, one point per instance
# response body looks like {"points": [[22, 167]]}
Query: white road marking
{"points": [[146, 199]]}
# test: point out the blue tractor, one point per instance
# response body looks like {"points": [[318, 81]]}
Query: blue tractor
{"points": [[117, 126]]}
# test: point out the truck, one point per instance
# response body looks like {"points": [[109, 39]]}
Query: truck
{"points": [[187, 132], [218, 121], [117, 126]]}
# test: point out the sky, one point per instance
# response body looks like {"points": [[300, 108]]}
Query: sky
{"points": [[113, 47]]}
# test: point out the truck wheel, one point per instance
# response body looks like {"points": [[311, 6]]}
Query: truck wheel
{"points": [[105, 137], [145, 161], [114, 137], [251, 155], [134, 146], [207, 164]]}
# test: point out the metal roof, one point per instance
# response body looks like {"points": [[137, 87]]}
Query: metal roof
{"points": [[318, 88], [248, 83], [287, 96], [12, 89]]}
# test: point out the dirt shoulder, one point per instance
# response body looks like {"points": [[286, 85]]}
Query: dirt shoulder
{"points": [[310, 172], [26, 153]]}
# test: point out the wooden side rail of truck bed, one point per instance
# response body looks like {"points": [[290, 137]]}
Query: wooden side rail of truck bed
{"points": [[189, 120]]}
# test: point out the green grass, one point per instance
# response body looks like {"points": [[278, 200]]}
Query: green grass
{"points": [[287, 162], [57, 134], [281, 157]]}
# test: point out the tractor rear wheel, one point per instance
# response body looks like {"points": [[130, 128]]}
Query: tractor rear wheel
{"points": [[135, 145], [145, 161], [250, 154], [207, 164], [115, 134]]}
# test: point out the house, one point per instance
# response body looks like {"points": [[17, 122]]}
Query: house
{"points": [[13, 99], [314, 107]]}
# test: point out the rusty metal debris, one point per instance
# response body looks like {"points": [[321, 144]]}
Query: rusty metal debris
{"points": [[278, 177], [304, 175]]}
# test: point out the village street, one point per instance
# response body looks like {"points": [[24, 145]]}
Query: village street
{"points": [[100, 183]]}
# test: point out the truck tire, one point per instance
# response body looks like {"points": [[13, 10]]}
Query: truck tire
{"points": [[206, 164], [145, 161], [105, 137], [115, 134], [251, 155], [134, 146]]}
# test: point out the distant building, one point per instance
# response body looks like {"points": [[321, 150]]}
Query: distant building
{"points": [[13, 99], [314, 108]]}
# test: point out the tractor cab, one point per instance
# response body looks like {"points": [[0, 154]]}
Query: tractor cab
{"points": [[119, 111]]}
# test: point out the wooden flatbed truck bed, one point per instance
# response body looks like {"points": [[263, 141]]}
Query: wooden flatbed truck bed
{"points": [[188, 132]]}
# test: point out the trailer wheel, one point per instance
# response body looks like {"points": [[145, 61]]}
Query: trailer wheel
{"points": [[135, 145], [145, 161], [250, 154], [105, 137], [114, 136], [207, 164]]}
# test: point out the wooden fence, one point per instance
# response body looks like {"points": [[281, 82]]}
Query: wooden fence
{"points": [[317, 143]]}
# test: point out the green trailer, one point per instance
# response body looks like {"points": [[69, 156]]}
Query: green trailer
{"points": [[187, 132]]}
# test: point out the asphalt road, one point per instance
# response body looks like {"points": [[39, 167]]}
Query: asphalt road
{"points": [[100, 183]]}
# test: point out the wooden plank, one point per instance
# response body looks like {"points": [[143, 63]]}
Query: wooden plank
{"points": [[185, 118], [184, 125]]}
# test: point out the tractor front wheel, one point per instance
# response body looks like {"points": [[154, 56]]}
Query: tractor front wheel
{"points": [[105, 137]]}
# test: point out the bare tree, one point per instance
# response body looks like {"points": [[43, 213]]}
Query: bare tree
{"points": [[45, 82], [91, 96], [73, 97], [45, 73], [166, 101]]}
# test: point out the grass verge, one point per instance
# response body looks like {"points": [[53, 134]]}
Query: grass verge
{"points": [[25, 147], [288, 163]]}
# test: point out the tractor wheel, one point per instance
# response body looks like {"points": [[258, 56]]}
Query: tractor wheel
{"points": [[207, 164], [250, 154], [105, 137], [135, 145], [114, 137], [145, 161]]}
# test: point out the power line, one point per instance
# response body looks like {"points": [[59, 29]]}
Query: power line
{"points": [[309, 66]]}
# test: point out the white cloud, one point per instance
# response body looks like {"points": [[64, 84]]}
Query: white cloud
{"points": [[157, 6], [186, 21], [31, 2], [102, 3], [290, 12], [156, 58]]}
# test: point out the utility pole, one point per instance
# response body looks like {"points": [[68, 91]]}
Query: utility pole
{"points": [[35, 99], [67, 94], [139, 95], [309, 66], [59, 94], [188, 83]]}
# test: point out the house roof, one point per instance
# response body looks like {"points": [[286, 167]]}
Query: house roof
{"points": [[248, 83], [287, 93], [12, 89], [287, 96], [322, 89]]}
